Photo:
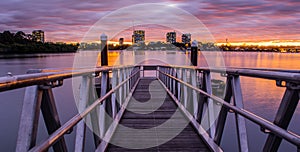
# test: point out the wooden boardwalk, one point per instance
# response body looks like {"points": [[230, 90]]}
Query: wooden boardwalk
{"points": [[151, 124]]}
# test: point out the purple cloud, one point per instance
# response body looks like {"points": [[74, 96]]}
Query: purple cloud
{"points": [[234, 19]]}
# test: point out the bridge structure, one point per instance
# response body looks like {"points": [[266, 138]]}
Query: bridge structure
{"points": [[189, 91]]}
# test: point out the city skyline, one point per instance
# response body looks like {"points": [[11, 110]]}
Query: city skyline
{"points": [[236, 20]]}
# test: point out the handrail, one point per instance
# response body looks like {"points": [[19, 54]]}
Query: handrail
{"points": [[74, 120], [265, 69], [19, 81], [275, 74], [289, 136]]}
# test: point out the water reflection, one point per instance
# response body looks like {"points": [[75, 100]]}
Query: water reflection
{"points": [[260, 96]]}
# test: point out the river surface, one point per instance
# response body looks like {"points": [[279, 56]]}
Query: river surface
{"points": [[261, 97]]}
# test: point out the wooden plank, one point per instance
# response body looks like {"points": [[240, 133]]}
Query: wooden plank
{"points": [[186, 140], [198, 128], [110, 132]]}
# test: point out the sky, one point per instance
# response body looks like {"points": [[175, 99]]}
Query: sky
{"points": [[236, 20]]}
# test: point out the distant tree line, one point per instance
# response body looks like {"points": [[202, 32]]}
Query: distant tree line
{"points": [[22, 43], [290, 49], [97, 46]]}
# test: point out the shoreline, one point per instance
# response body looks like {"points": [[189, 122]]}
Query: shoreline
{"points": [[32, 55]]}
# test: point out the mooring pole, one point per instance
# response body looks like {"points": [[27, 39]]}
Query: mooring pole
{"points": [[105, 107], [194, 53], [104, 60]]}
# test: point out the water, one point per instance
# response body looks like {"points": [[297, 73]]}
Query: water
{"points": [[261, 97]]}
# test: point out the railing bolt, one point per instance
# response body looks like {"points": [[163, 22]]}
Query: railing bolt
{"points": [[69, 131], [231, 111], [223, 74], [265, 130]]}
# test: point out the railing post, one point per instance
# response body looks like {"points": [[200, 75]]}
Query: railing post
{"points": [[189, 104], [165, 77], [124, 86], [102, 108], [178, 84], [174, 90], [185, 90], [139, 74], [127, 83], [223, 112], [82, 104], [168, 78], [94, 115], [171, 80], [194, 93], [157, 72], [201, 98], [209, 103], [120, 79], [283, 117], [143, 71], [51, 118], [162, 75], [240, 120], [29, 119], [132, 78], [113, 96]]}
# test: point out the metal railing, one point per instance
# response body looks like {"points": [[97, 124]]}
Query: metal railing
{"points": [[39, 97], [191, 88]]}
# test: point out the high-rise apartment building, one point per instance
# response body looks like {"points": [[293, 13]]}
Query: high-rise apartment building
{"points": [[186, 38], [171, 37], [38, 36], [138, 36]]}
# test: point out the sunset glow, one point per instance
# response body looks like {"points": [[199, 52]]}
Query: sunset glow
{"points": [[270, 43]]}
